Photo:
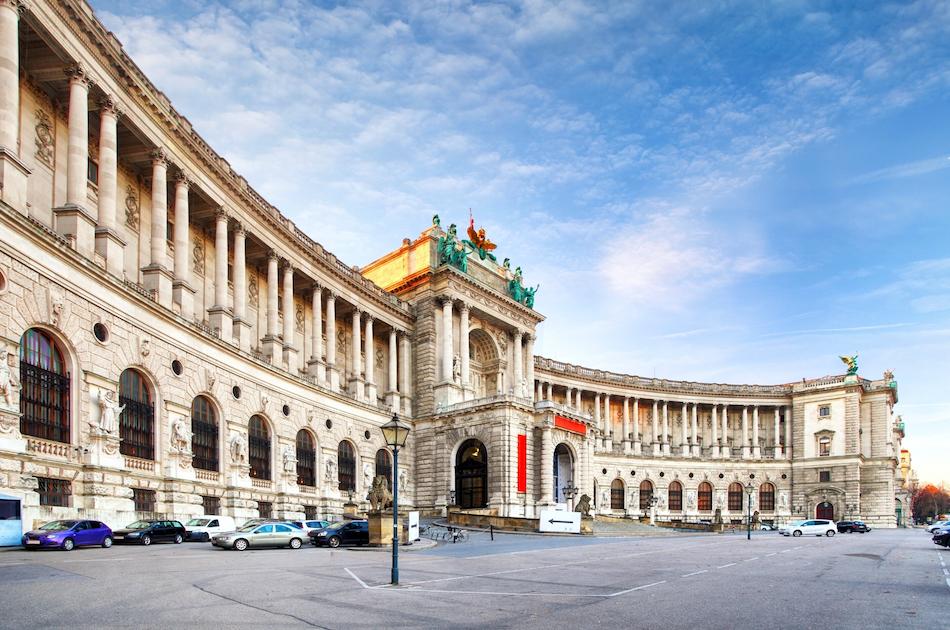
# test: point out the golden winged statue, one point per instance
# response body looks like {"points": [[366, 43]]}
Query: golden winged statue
{"points": [[478, 238], [851, 362]]}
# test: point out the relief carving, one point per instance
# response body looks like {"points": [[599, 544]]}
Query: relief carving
{"points": [[44, 138], [131, 208], [298, 317], [252, 295], [198, 255]]}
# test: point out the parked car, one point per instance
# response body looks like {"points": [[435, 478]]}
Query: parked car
{"points": [[784, 529], [261, 535], [765, 527], [145, 532], [942, 537], [201, 528], [342, 533], [68, 535], [311, 526], [938, 525], [852, 526], [814, 527]]}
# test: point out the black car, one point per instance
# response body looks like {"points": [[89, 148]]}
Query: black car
{"points": [[145, 532], [942, 537], [852, 526], [343, 533]]}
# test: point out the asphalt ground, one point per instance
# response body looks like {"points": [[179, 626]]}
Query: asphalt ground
{"points": [[876, 580]]}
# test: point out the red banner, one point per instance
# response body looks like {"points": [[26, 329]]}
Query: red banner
{"points": [[570, 425], [522, 463]]}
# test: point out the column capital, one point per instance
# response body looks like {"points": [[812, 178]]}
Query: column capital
{"points": [[368, 316], [287, 267], [108, 104], [239, 229], [182, 178], [221, 213], [159, 156], [463, 306], [331, 294], [16, 5], [272, 255], [518, 333], [445, 299], [77, 73], [357, 311]]}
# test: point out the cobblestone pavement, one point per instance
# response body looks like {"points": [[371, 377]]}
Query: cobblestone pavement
{"points": [[881, 579]]}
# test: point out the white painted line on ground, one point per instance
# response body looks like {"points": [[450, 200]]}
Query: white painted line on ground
{"points": [[785, 551], [636, 588], [508, 593], [356, 577], [751, 559], [731, 564], [771, 554], [696, 572], [479, 575]]}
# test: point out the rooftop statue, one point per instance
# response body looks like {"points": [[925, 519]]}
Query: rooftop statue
{"points": [[451, 250], [436, 222], [852, 363], [478, 241]]}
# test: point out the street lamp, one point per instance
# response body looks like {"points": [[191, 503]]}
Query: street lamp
{"points": [[653, 501], [570, 491], [395, 433], [749, 489]]}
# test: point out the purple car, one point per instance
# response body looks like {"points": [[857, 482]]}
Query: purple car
{"points": [[68, 535]]}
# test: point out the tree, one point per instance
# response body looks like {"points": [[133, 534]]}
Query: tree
{"points": [[929, 501]]}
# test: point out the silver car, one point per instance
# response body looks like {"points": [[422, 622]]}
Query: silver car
{"points": [[262, 535]]}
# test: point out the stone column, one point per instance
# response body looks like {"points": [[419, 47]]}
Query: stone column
{"points": [[405, 380], [547, 464], [108, 243], [315, 366], [272, 346], [579, 404], [156, 275], [370, 368], [625, 423], [529, 359], [788, 432], [242, 326], [392, 395], [776, 439], [13, 173], [656, 440], [715, 433], [219, 315], [666, 427], [290, 321], [597, 420], [333, 372], [464, 351], [447, 342], [75, 217], [518, 360], [182, 291], [756, 449], [636, 427], [356, 383], [694, 442], [724, 449], [746, 450], [684, 439], [550, 391], [539, 390]]}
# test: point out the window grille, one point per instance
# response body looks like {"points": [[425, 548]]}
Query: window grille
{"points": [[44, 388], [306, 459], [204, 436], [767, 498], [347, 467], [211, 505], [144, 500], [265, 509], [735, 497], [137, 421], [55, 492], [646, 493], [616, 495], [705, 497], [384, 465], [676, 497], [310, 512], [258, 440], [824, 476]]}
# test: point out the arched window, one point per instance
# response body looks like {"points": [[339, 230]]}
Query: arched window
{"points": [[204, 434], [705, 497], [384, 465], [646, 493], [616, 494], [735, 497], [675, 497], [137, 420], [44, 388], [471, 475], [347, 470], [766, 498], [563, 471], [258, 447], [306, 459]]}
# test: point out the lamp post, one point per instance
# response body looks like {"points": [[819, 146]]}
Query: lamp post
{"points": [[395, 433], [749, 489], [653, 501], [570, 491]]}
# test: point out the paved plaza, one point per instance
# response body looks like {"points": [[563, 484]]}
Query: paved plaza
{"points": [[882, 579]]}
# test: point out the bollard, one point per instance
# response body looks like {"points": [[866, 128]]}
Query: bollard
{"points": [[491, 531]]}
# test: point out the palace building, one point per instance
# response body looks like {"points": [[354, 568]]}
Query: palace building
{"points": [[173, 344]]}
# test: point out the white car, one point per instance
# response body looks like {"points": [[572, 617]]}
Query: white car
{"points": [[814, 527], [938, 525], [202, 528]]}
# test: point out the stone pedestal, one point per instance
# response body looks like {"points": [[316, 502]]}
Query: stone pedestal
{"points": [[446, 394], [357, 388], [103, 450], [637, 448], [76, 221], [157, 278], [318, 369], [178, 465], [756, 452], [372, 394], [381, 528], [11, 440], [392, 401], [290, 359], [239, 476], [272, 347], [333, 376], [184, 296], [13, 178], [111, 246], [221, 320], [656, 449], [697, 450], [351, 509], [241, 332], [587, 525], [666, 448], [715, 450]]}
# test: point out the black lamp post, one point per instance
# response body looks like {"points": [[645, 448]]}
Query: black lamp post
{"points": [[395, 433], [749, 489]]}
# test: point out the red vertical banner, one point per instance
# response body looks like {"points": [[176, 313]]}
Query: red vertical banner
{"points": [[522, 463]]}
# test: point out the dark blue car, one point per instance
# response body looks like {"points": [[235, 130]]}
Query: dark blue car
{"points": [[68, 535]]}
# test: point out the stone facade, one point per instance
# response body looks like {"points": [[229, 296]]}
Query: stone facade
{"points": [[173, 344]]}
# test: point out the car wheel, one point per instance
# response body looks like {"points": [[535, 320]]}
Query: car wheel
{"points": [[69, 544], [107, 542], [295, 543], [830, 533], [334, 541], [178, 539], [240, 544], [797, 533], [146, 540]]}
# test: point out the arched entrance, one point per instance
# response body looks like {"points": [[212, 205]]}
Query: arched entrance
{"points": [[563, 471], [471, 475], [825, 510]]}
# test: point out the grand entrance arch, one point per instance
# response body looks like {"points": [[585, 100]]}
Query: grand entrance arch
{"points": [[825, 510], [563, 471], [471, 475], [484, 364]]}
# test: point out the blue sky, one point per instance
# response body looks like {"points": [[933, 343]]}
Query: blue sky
{"points": [[718, 191]]}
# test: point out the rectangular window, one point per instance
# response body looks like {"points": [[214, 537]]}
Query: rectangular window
{"points": [[824, 475], [144, 500], [824, 411], [55, 492], [211, 505], [824, 447], [265, 509], [310, 512], [92, 172]]}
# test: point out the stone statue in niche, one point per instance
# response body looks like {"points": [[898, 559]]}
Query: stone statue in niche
{"points": [[9, 385], [181, 438], [367, 475], [330, 469], [457, 368], [404, 479], [109, 412], [289, 456], [237, 444]]}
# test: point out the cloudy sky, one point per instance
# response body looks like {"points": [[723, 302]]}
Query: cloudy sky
{"points": [[719, 191]]}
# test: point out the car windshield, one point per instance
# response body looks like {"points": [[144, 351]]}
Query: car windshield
{"points": [[249, 528], [139, 525], [57, 525], [336, 526], [199, 522]]}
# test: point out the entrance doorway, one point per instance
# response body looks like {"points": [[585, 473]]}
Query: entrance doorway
{"points": [[563, 471], [471, 475], [899, 512], [11, 525], [825, 511]]}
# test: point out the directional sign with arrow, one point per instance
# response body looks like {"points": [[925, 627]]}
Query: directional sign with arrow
{"points": [[560, 521]]}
